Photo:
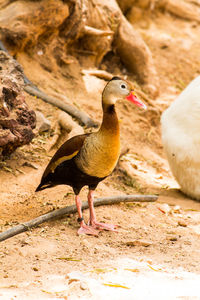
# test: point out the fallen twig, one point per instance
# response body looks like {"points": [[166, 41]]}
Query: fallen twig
{"points": [[83, 118], [97, 32], [98, 73], [71, 210]]}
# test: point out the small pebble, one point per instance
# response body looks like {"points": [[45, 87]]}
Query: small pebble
{"points": [[42, 124], [182, 223], [138, 243], [177, 209], [173, 238], [83, 286], [164, 208]]}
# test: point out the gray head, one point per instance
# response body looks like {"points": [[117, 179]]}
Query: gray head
{"points": [[119, 89]]}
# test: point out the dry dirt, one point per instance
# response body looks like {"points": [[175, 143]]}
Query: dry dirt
{"points": [[51, 261]]}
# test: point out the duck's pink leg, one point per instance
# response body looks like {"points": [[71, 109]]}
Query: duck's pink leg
{"points": [[92, 221], [84, 229]]}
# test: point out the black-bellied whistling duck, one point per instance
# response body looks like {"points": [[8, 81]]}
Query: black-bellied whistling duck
{"points": [[89, 158], [181, 138]]}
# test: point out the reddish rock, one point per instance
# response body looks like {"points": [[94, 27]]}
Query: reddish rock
{"points": [[17, 121]]}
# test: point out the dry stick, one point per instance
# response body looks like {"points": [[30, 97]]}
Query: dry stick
{"points": [[72, 110], [96, 32], [98, 73], [73, 209]]}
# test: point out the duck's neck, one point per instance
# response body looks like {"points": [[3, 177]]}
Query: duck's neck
{"points": [[110, 121]]}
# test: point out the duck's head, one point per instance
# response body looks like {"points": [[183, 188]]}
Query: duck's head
{"points": [[118, 89]]}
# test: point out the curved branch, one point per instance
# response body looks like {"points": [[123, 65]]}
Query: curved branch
{"points": [[181, 9], [71, 210], [83, 118], [96, 32]]}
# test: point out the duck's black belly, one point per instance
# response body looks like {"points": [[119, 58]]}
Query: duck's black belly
{"points": [[68, 173]]}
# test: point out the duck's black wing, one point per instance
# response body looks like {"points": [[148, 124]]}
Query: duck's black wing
{"points": [[65, 153]]}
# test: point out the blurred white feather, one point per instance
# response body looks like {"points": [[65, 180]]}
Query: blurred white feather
{"points": [[181, 138]]}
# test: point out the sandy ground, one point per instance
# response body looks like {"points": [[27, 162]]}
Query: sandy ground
{"points": [[155, 253]]}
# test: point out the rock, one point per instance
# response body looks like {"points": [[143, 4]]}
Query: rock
{"points": [[164, 208], [173, 238], [30, 165], [182, 223], [177, 209], [83, 285], [85, 243], [42, 124], [17, 121]]}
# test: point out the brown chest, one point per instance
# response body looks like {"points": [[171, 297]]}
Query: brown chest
{"points": [[99, 155]]}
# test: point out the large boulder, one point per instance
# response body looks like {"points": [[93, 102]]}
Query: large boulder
{"points": [[17, 121]]}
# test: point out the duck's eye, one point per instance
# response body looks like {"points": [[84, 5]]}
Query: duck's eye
{"points": [[123, 86]]}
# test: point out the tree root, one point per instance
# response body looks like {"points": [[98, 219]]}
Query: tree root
{"points": [[71, 210], [68, 127], [181, 9], [67, 123]]}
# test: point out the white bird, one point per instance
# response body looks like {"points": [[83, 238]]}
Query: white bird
{"points": [[181, 138]]}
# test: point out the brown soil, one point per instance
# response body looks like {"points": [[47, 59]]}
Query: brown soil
{"points": [[169, 235]]}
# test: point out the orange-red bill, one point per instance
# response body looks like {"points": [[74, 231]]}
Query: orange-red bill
{"points": [[133, 98]]}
